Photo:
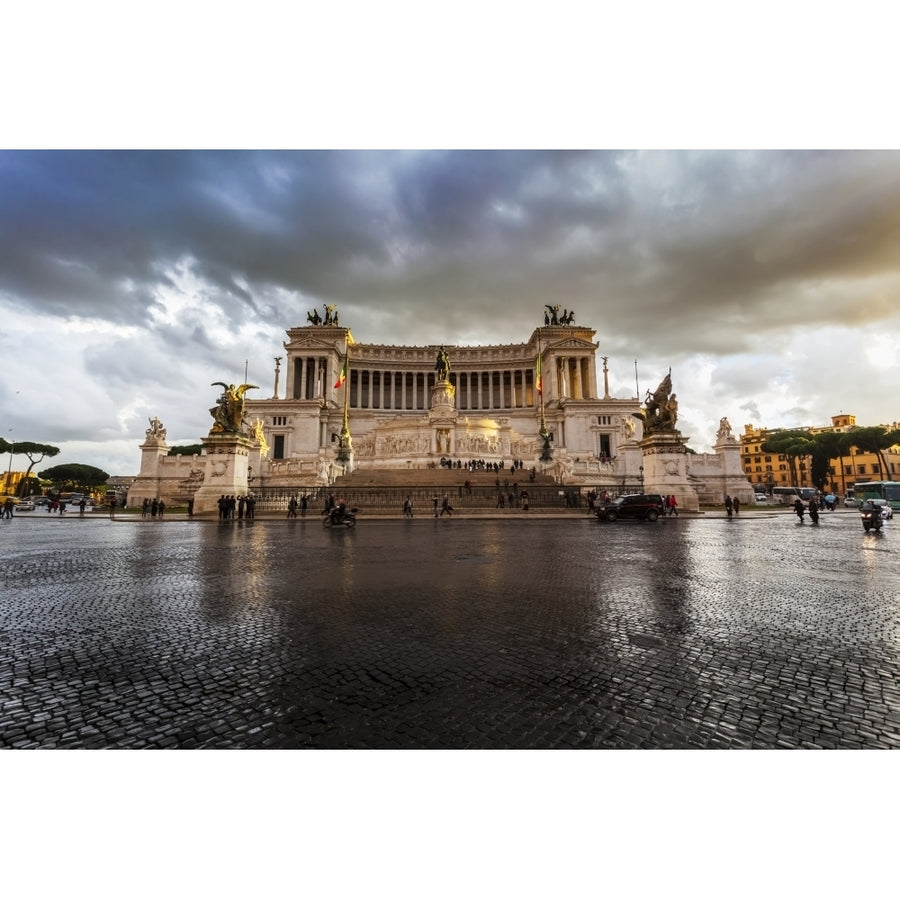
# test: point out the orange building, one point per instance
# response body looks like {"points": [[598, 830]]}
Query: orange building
{"points": [[773, 469]]}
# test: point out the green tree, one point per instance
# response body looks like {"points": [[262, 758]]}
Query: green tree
{"points": [[36, 453], [794, 445], [186, 450], [829, 445], [874, 439], [75, 475]]}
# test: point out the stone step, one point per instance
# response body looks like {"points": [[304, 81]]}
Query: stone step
{"points": [[439, 477]]}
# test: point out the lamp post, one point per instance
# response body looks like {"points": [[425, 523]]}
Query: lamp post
{"points": [[641, 470], [12, 450]]}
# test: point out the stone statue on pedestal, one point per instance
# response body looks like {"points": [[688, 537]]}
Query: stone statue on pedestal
{"points": [[156, 429], [724, 433]]}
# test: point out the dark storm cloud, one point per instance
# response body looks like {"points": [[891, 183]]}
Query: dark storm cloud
{"points": [[190, 265], [698, 239]]}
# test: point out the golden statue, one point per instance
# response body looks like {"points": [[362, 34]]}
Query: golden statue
{"points": [[260, 437], [229, 414]]}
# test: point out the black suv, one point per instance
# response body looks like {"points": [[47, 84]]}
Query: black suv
{"points": [[632, 506]]}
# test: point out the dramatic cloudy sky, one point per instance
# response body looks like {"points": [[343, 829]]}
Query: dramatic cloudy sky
{"points": [[129, 281]]}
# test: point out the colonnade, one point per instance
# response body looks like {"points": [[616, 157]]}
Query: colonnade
{"points": [[309, 377], [312, 377]]}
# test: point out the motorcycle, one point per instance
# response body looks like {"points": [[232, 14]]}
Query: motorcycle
{"points": [[339, 515], [871, 516]]}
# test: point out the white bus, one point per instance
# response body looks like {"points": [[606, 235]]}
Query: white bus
{"points": [[787, 495]]}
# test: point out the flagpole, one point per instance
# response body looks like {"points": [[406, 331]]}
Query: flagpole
{"points": [[346, 441], [546, 454]]}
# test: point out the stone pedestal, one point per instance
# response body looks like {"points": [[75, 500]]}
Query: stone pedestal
{"points": [[443, 401], [227, 469], [664, 458], [443, 416], [630, 460], [148, 484], [734, 481]]}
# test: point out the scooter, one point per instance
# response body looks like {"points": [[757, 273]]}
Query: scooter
{"points": [[340, 515], [871, 516]]}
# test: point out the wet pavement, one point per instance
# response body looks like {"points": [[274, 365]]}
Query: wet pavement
{"points": [[491, 633]]}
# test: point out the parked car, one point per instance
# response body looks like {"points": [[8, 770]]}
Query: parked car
{"points": [[25, 506], [851, 501], [41, 501], [886, 511], [632, 506], [761, 497]]}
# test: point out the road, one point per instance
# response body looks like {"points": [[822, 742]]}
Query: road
{"points": [[755, 632]]}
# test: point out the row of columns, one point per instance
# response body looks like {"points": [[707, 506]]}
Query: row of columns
{"points": [[311, 377], [504, 389]]}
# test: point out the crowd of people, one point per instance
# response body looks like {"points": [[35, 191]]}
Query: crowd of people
{"points": [[152, 508], [481, 465], [231, 507]]}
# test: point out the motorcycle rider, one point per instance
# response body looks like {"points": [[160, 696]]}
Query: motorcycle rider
{"points": [[874, 517]]}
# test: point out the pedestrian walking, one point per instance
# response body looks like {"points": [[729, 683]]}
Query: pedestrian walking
{"points": [[408, 507], [813, 508], [737, 505], [446, 507], [728, 505]]}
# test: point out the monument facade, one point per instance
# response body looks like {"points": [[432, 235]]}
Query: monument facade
{"points": [[411, 407], [350, 406]]}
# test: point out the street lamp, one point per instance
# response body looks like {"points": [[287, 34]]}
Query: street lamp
{"points": [[12, 450], [642, 479]]}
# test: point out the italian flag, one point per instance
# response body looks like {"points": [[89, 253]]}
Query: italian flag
{"points": [[538, 378], [343, 376]]}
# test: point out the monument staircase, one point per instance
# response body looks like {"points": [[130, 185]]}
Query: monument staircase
{"points": [[382, 491]]}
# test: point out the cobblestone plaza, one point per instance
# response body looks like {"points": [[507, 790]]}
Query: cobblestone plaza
{"points": [[464, 633]]}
